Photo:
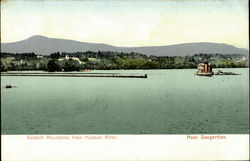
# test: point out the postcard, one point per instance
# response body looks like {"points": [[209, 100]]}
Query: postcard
{"points": [[125, 80]]}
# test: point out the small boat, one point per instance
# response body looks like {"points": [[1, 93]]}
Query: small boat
{"points": [[8, 86]]}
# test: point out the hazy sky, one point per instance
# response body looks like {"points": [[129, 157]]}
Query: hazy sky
{"points": [[128, 22]]}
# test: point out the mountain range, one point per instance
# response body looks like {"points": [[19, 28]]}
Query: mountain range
{"points": [[44, 46]]}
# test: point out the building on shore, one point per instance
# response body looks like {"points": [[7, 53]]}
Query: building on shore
{"points": [[39, 56], [73, 58], [205, 69]]}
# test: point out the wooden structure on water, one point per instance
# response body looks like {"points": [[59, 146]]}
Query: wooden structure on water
{"points": [[112, 75], [205, 69]]}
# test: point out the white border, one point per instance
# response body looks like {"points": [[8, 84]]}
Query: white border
{"points": [[125, 147]]}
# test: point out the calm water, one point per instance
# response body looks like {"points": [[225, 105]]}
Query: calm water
{"points": [[168, 102]]}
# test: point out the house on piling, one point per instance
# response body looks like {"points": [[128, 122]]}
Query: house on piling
{"points": [[205, 69]]}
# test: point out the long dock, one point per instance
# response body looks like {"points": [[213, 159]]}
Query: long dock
{"points": [[112, 75], [56, 73]]}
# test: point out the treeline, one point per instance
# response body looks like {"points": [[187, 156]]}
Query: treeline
{"points": [[114, 60]]}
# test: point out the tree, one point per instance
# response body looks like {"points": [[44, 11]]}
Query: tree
{"points": [[52, 66]]}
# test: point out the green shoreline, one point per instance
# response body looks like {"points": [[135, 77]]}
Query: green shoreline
{"points": [[80, 61]]}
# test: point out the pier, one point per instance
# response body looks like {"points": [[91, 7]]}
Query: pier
{"points": [[111, 75]]}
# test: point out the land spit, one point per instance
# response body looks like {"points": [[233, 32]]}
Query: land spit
{"points": [[113, 75]]}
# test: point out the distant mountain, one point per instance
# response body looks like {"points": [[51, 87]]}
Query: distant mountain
{"points": [[44, 46]]}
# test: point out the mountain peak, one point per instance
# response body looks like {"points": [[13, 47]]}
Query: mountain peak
{"points": [[43, 45], [38, 37]]}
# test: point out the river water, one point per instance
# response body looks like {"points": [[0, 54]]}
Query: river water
{"points": [[167, 102]]}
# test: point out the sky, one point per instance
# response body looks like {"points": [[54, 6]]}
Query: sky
{"points": [[128, 23]]}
